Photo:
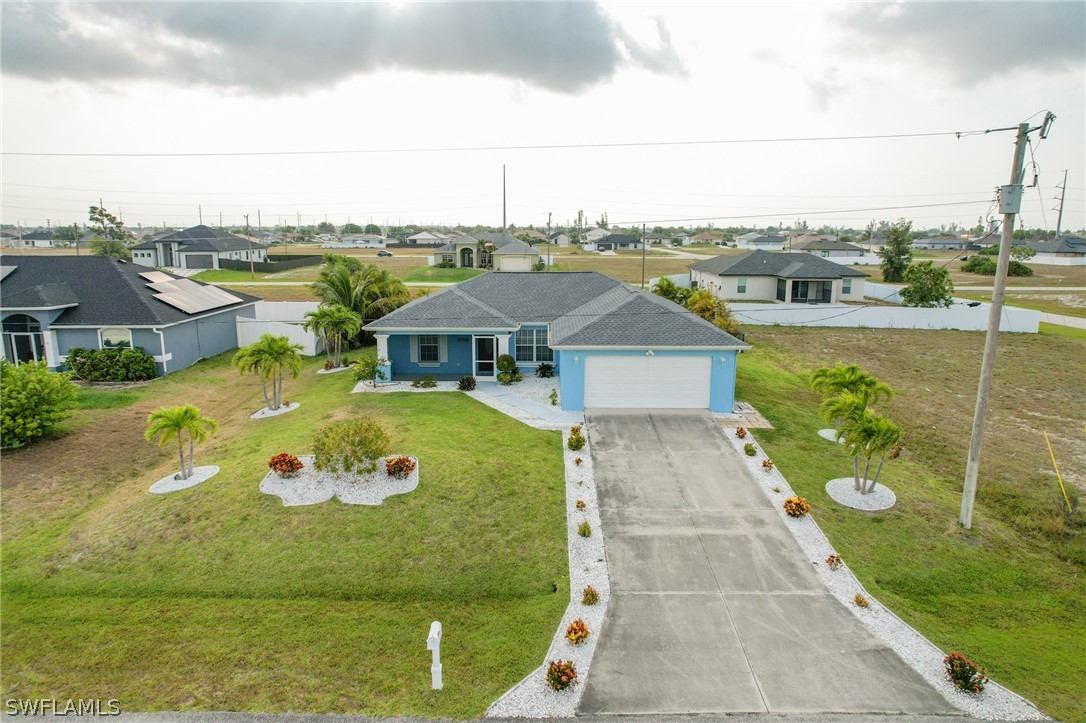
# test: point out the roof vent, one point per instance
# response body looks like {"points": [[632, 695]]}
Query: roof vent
{"points": [[121, 261]]}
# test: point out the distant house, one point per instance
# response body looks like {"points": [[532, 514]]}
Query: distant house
{"points": [[498, 251], [1063, 251], [760, 241], [941, 243], [559, 238], [199, 247], [370, 240], [791, 278], [595, 234], [40, 238], [50, 304], [613, 242], [427, 237], [706, 237], [828, 248], [535, 236], [656, 238]]}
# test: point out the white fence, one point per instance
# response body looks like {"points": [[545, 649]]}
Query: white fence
{"points": [[862, 260], [281, 318], [681, 280]]}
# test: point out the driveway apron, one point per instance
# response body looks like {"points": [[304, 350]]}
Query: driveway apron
{"points": [[715, 608]]}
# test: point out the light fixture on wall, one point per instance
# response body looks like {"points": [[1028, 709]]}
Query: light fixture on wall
{"points": [[649, 353], [724, 361], [576, 360]]}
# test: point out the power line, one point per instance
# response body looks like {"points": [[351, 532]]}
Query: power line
{"points": [[805, 212], [539, 147]]}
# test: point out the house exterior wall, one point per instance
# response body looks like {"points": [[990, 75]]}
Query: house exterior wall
{"points": [[201, 338], [457, 357], [145, 258], [721, 385], [1052, 259], [759, 288], [513, 263]]}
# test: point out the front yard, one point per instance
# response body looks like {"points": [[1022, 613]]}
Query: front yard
{"points": [[219, 598], [1011, 592], [432, 273]]}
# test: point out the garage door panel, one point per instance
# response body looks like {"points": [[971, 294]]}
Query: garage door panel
{"points": [[647, 382]]}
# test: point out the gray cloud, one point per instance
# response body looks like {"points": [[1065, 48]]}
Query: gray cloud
{"points": [[292, 48], [968, 42], [824, 89]]}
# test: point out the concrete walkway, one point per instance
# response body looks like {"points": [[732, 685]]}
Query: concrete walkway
{"points": [[715, 609], [548, 413]]}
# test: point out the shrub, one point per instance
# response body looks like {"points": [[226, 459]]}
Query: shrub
{"points": [[749, 449], [578, 461], [368, 369], [561, 674], [575, 442], [32, 401], [834, 561], [741, 432], [285, 464], [861, 601], [590, 596], [354, 445], [328, 365], [538, 266], [580, 504], [400, 467], [584, 529], [577, 632], [575, 429], [466, 384], [777, 490], [424, 382], [111, 365], [964, 673], [796, 507], [510, 377], [507, 363], [544, 371], [767, 465], [553, 397]]}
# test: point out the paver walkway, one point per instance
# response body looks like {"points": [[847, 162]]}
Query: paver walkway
{"points": [[715, 608]]}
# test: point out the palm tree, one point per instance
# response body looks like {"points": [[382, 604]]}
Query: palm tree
{"points": [[175, 423], [334, 323], [850, 408], [831, 381], [370, 292], [703, 303], [870, 435], [671, 291], [269, 357]]}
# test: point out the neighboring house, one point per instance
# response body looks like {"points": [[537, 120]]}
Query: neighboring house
{"points": [[50, 304], [759, 241], [368, 240], [794, 278], [614, 242], [40, 238], [707, 237], [498, 251], [559, 238], [656, 239], [611, 344], [873, 244], [1063, 251], [595, 234], [532, 234], [828, 248], [199, 247], [427, 237], [941, 243]]}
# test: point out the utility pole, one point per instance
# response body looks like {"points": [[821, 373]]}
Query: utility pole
{"points": [[259, 223], [1063, 194], [220, 219], [642, 256], [503, 198], [249, 238], [548, 240], [200, 210], [1010, 202]]}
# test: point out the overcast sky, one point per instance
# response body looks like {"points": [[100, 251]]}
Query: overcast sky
{"points": [[396, 81]]}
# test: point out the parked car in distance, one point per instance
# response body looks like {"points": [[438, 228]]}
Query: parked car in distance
{"points": [[382, 252]]}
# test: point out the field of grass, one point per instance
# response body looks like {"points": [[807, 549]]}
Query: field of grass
{"points": [[648, 252], [1042, 275], [220, 598], [1071, 303], [218, 276], [1066, 332], [1009, 593], [432, 273], [624, 268]]}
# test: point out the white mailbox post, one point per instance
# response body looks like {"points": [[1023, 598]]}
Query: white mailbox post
{"points": [[433, 642]]}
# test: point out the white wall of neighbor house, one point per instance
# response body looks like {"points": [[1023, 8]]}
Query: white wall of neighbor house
{"points": [[758, 288], [280, 318], [1047, 259], [959, 316], [513, 263]]}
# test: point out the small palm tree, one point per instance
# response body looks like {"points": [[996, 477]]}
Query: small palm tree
{"points": [[868, 436], [671, 291], [703, 303], [848, 408], [177, 423], [269, 357], [832, 381], [334, 323]]}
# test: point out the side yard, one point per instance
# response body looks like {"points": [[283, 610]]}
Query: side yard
{"points": [[1011, 592], [219, 598]]}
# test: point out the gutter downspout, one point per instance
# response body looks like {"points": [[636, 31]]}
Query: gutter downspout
{"points": [[161, 348]]}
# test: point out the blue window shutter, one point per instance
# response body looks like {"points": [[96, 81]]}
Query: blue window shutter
{"points": [[442, 349], [413, 343]]}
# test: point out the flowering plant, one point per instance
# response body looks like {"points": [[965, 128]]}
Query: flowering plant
{"points": [[796, 507], [285, 464], [861, 601], [834, 561], [400, 467], [590, 596], [767, 465], [561, 674], [577, 632], [578, 461], [580, 504], [741, 432], [964, 673]]}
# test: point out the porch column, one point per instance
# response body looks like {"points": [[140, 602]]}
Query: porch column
{"points": [[503, 344], [382, 356]]}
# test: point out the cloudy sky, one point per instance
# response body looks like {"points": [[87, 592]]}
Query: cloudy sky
{"points": [[664, 113]]}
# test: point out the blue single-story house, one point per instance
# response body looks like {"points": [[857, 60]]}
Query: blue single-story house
{"points": [[612, 345], [50, 304]]}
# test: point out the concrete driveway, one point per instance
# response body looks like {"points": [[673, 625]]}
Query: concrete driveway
{"points": [[715, 608]]}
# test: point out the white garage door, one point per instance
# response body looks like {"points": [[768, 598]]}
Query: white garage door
{"points": [[661, 382]]}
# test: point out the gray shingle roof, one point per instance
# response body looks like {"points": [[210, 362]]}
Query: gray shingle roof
{"points": [[782, 265], [203, 238], [107, 292], [584, 308], [825, 244], [517, 248], [1063, 245]]}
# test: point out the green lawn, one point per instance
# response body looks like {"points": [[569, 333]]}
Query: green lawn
{"points": [[432, 273], [220, 598], [1068, 332], [230, 275], [1011, 592], [1067, 303]]}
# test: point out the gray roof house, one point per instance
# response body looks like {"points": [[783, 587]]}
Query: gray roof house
{"points": [[829, 248], [611, 344], [498, 251], [50, 304], [1063, 251], [614, 242], [199, 247], [795, 278]]}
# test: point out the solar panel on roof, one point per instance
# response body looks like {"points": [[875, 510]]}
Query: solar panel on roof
{"points": [[179, 302], [5, 270], [190, 297], [155, 276]]}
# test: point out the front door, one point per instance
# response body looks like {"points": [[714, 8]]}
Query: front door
{"points": [[466, 258], [486, 357]]}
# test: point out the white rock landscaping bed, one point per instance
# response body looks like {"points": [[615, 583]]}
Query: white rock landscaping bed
{"points": [[843, 492], [995, 703], [173, 482], [830, 435], [334, 370], [311, 487], [533, 697], [283, 409]]}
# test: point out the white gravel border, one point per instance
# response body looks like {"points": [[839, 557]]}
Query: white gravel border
{"points": [[311, 487], [264, 412], [173, 482], [335, 370], [843, 492], [830, 435], [532, 697], [995, 703]]}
